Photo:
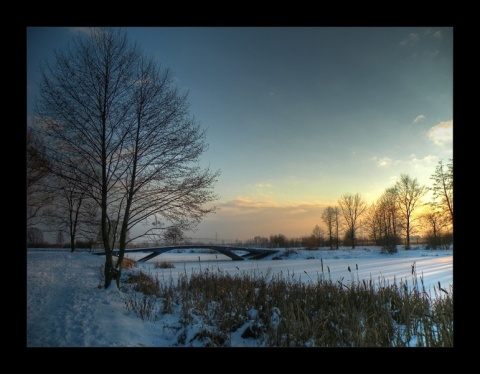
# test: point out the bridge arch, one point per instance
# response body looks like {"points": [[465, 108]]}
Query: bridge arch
{"points": [[252, 253]]}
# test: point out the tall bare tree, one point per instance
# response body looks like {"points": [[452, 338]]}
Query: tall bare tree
{"points": [[443, 188], [66, 214], [38, 169], [351, 208], [371, 223], [435, 221], [71, 211], [105, 103], [409, 194], [34, 236], [330, 218], [388, 219], [317, 236], [336, 226]]}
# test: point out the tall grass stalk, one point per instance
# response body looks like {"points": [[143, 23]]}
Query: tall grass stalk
{"points": [[277, 310]]}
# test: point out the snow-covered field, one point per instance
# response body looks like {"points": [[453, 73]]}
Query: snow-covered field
{"points": [[67, 308], [306, 265]]}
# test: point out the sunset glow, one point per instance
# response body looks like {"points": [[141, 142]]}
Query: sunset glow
{"points": [[297, 116]]}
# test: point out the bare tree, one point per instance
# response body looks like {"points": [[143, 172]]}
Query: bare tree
{"points": [[443, 188], [114, 238], [261, 241], [66, 212], [318, 236], [330, 218], [60, 239], [105, 103], [409, 193], [38, 169], [34, 236], [371, 223], [173, 235], [278, 241], [435, 222], [89, 222], [351, 208], [388, 219], [336, 226]]}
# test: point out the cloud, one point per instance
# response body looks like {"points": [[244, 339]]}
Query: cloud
{"points": [[431, 54], [437, 34], [244, 218], [441, 133], [419, 118], [383, 162], [85, 30], [249, 203], [423, 44], [245, 205], [410, 41], [415, 162], [297, 211], [263, 185]]}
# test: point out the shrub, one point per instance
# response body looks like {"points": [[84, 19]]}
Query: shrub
{"points": [[280, 311], [128, 263], [163, 265]]}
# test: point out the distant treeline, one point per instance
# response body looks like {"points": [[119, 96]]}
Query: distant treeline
{"points": [[275, 241]]}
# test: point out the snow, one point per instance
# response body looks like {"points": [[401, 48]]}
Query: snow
{"points": [[68, 307]]}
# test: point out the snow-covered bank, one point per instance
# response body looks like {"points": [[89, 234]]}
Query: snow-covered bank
{"points": [[67, 307]]}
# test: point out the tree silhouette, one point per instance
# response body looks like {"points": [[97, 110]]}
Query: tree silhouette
{"points": [[351, 208], [115, 124]]}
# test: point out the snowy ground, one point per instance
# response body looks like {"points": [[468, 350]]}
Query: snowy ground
{"points": [[67, 307]]}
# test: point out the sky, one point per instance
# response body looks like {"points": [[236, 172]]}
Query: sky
{"points": [[298, 116], [65, 307]]}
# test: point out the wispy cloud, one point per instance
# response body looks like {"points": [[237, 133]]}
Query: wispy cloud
{"points": [[264, 185], [441, 133], [416, 162], [260, 190], [424, 45], [84, 30], [247, 215], [410, 41], [431, 54], [412, 162], [244, 205], [419, 118], [382, 162], [420, 167], [437, 34]]}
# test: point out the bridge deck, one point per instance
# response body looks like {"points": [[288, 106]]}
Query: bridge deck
{"points": [[252, 253]]}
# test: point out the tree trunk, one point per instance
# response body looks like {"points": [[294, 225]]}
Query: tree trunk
{"points": [[407, 247], [110, 272], [118, 267]]}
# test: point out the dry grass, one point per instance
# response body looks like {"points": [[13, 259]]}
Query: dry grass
{"points": [[280, 312], [163, 265], [128, 263]]}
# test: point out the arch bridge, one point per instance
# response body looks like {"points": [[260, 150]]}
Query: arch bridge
{"points": [[252, 253]]}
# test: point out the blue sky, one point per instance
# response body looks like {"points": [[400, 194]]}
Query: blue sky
{"points": [[298, 116]]}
